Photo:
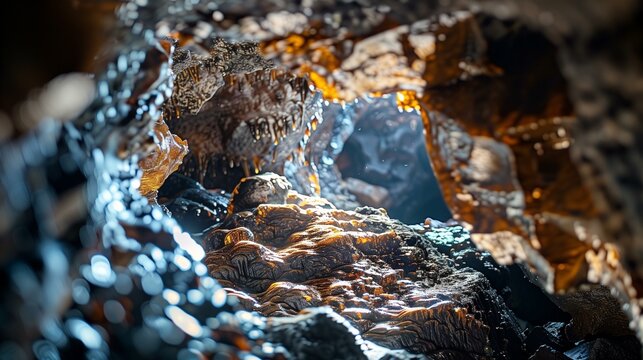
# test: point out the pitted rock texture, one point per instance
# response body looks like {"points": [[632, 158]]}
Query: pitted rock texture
{"points": [[524, 111], [298, 252], [255, 121], [200, 69]]}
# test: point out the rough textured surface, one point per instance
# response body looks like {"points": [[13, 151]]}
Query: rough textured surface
{"points": [[199, 72], [320, 333], [291, 252], [532, 132], [192, 206], [503, 106], [516, 184], [324, 146], [80, 275], [257, 120]]}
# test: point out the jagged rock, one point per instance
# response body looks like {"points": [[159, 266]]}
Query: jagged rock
{"points": [[254, 122], [174, 185], [317, 334], [295, 252], [519, 292], [200, 73], [619, 348], [550, 335], [191, 205], [197, 210], [162, 160], [508, 135]]}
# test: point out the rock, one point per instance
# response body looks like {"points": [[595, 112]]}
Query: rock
{"points": [[317, 334], [516, 107], [531, 111], [192, 206], [302, 254], [550, 335], [197, 210], [367, 194], [162, 160], [545, 352], [320, 333], [325, 144], [618, 348], [230, 136], [251, 192]]}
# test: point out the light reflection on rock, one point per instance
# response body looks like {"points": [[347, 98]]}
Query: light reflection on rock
{"points": [[163, 160]]}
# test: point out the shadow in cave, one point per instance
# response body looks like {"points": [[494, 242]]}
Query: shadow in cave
{"points": [[385, 164]]}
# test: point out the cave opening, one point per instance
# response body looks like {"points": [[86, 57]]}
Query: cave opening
{"points": [[384, 162]]}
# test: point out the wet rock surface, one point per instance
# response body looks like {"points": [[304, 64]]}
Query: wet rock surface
{"points": [[293, 252], [402, 287], [258, 120], [501, 124], [161, 161], [191, 205]]}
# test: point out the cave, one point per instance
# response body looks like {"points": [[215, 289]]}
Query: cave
{"points": [[336, 179], [384, 163]]}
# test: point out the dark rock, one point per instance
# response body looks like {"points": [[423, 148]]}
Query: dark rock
{"points": [[546, 352], [191, 205], [624, 348], [197, 210], [550, 334], [387, 149], [317, 334], [526, 299]]}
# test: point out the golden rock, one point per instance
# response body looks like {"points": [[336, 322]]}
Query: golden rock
{"points": [[164, 159]]}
